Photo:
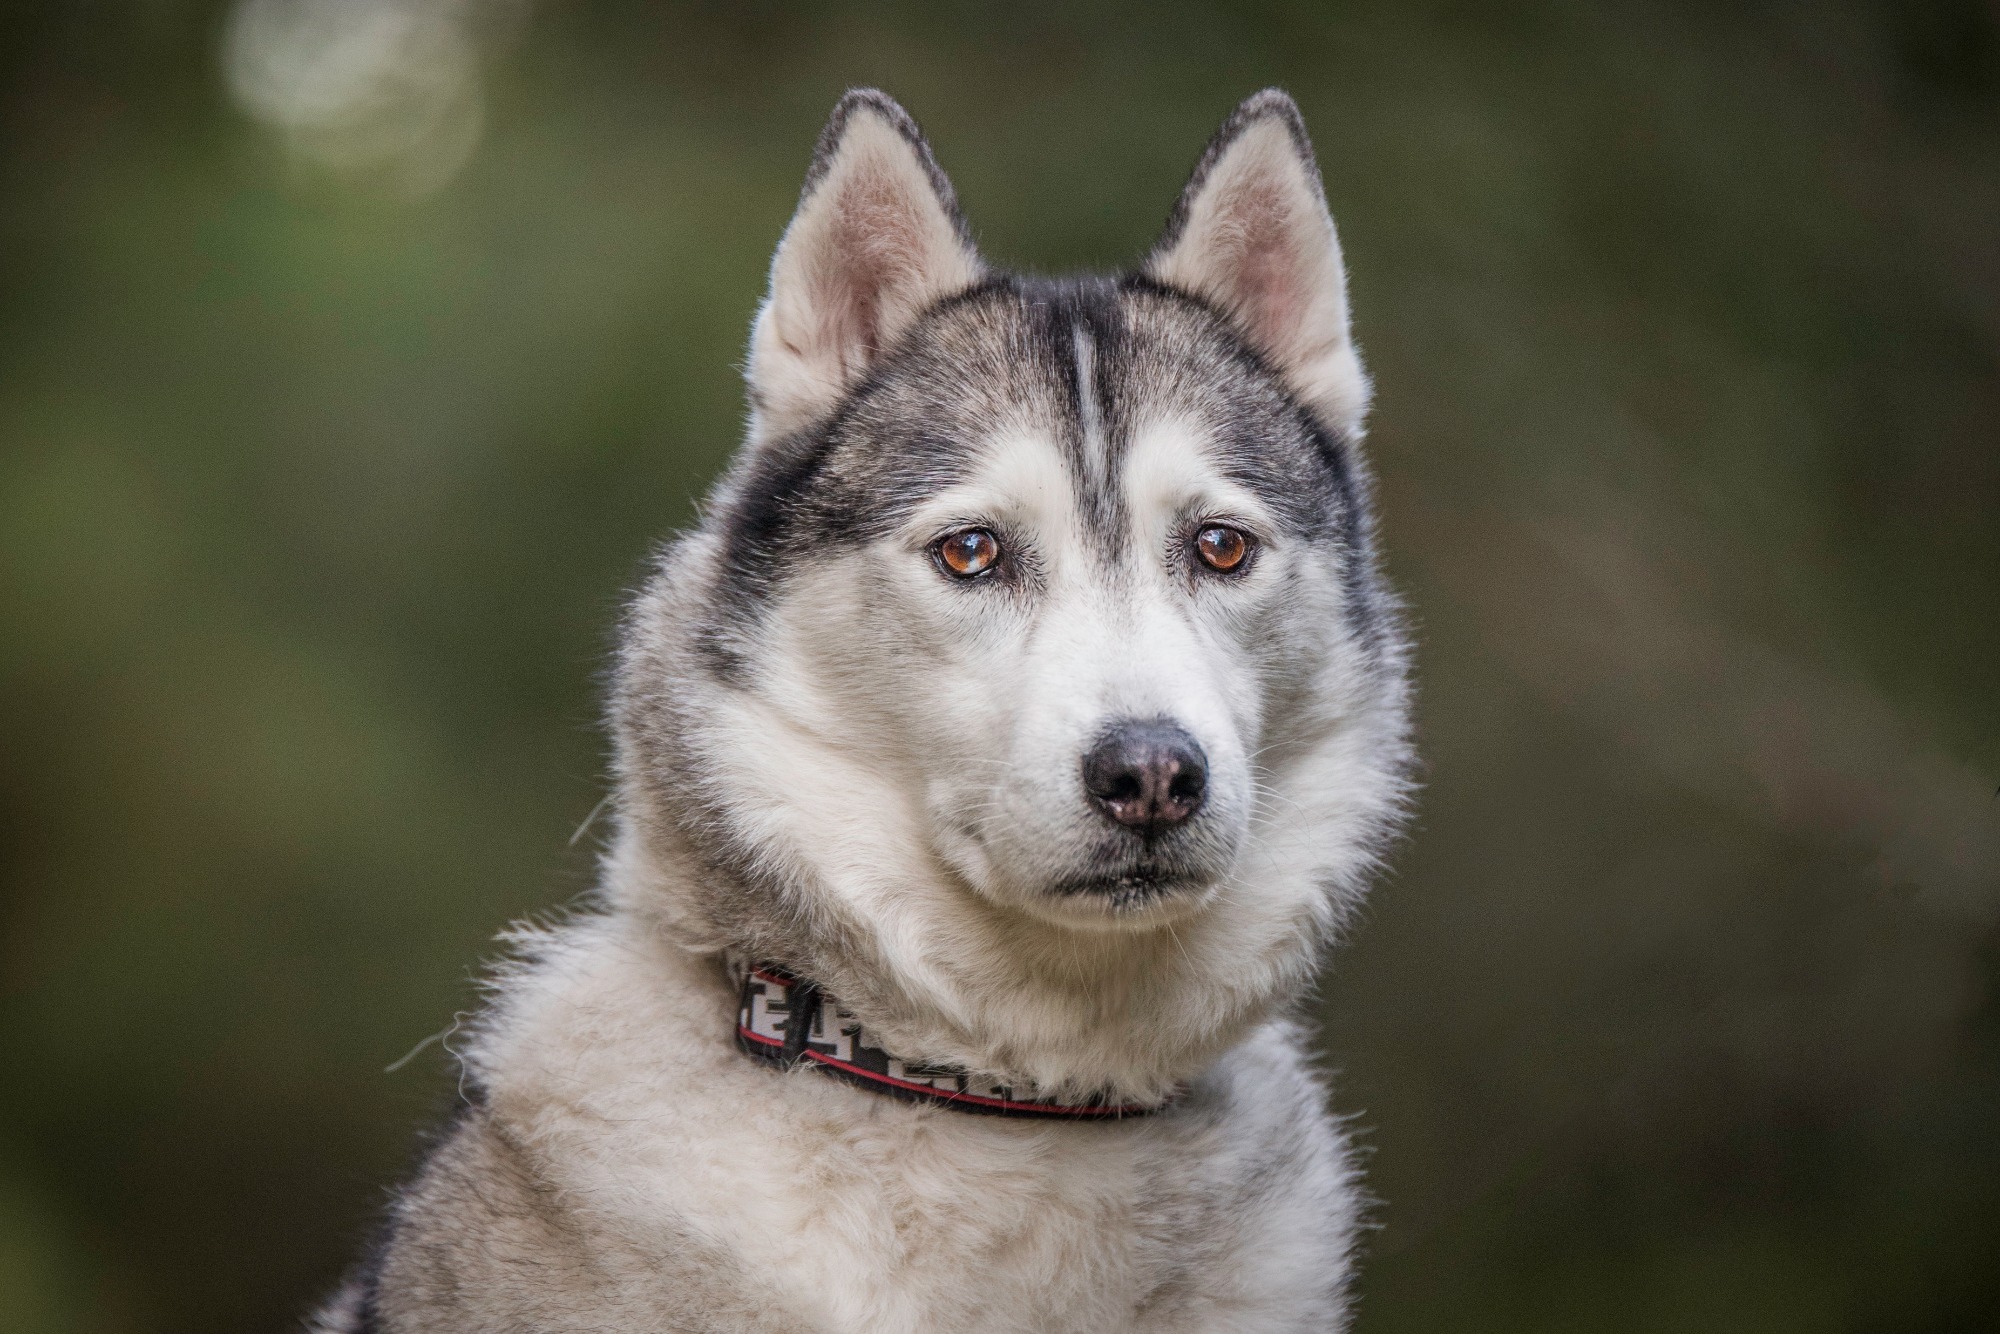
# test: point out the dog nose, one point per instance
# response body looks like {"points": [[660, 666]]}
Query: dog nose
{"points": [[1146, 776]]}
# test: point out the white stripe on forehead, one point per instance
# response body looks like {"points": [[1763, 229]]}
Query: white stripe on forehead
{"points": [[1096, 460]]}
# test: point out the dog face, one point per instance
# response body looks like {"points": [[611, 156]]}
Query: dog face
{"points": [[1032, 662], [1071, 602]]}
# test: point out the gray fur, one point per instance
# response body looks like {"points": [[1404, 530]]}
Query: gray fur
{"points": [[833, 756], [1008, 347]]}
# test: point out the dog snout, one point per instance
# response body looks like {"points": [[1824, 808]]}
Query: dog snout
{"points": [[1147, 776]]}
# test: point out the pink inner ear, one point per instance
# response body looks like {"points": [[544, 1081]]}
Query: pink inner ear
{"points": [[1270, 274], [876, 250]]}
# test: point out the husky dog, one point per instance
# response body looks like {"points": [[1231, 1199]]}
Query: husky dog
{"points": [[1022, 718]]}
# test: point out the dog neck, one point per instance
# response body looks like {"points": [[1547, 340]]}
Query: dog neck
{"points": [[1129, 1017], [787, 1022]]}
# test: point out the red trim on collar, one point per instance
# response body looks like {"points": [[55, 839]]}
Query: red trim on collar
{"points": [[835, 1030]]}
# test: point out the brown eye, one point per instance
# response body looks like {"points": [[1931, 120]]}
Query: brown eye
{"points": [[970, 553], [1221, 547]]}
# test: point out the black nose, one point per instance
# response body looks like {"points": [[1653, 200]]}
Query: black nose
{"points": [[1146, 776]]}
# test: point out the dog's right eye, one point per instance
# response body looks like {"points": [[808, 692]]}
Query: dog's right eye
{"points": [[969, 554]]}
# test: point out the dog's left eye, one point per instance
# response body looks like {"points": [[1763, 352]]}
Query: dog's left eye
{"points": [[969, 554], [1222, 548]]}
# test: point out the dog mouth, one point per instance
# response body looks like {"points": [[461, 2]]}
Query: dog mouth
{"points": [[1133, 888]]}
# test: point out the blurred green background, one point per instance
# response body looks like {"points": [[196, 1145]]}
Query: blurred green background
{"points": [[354, 352]]}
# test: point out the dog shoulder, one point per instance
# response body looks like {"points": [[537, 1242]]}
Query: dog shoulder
{"points": [[484, 1240]]}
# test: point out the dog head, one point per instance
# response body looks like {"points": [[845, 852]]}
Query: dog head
{"points": [[1029, 680]]}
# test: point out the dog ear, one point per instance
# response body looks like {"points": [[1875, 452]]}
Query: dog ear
{"points": [[876, 240], [1252, 235]]}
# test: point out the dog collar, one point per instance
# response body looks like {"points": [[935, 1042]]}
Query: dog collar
{"points": [[831, 1040]]}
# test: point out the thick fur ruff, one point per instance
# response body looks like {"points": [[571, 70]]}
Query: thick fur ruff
{"points": [[839, 753]]}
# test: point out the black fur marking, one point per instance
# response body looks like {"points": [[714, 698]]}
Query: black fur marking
{"points": [[765, 506], [1063, 314]]}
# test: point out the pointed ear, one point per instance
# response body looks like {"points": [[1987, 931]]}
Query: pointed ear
{"points": [[1252, 235], [877, 239]]}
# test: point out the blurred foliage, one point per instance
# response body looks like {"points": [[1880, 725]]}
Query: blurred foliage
{"points": [[318, 495]]}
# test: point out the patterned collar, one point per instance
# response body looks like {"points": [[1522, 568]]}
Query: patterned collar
{"points": [[834, 1043]]}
